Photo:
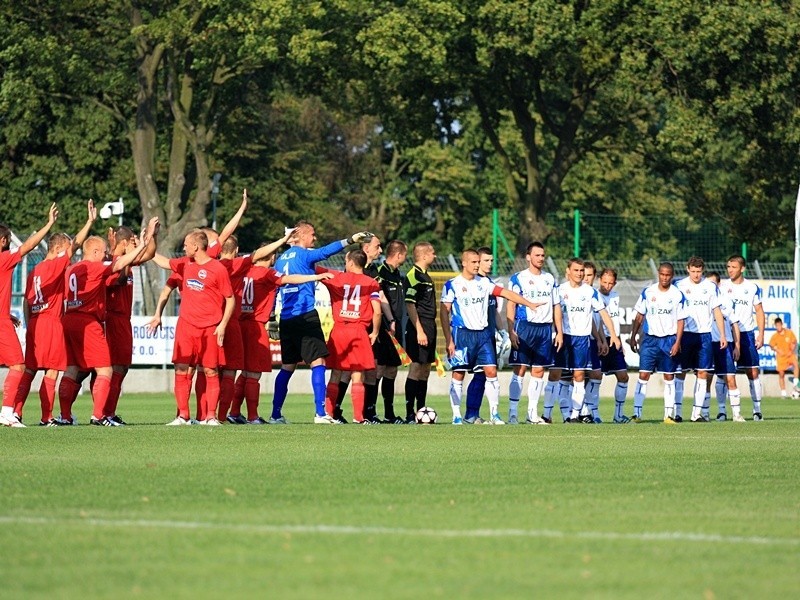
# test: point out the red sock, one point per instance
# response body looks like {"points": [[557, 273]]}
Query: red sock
{"points": [[22, 391], [102, 384], [67, 392], [252, 389], [331, 392], [226, 386], [212, 395], [357, 394], [114, 392], [47, 398], [183, 389], [238, 396], [10, 387], [200, 387]]}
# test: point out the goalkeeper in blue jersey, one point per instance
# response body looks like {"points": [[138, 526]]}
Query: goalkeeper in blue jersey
{"points": [[300, 328]]}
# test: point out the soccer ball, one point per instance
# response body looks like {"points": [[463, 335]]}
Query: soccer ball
{"points": [[426, 416], [796, 394]]}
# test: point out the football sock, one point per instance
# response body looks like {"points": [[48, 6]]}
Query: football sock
{"points": [[564, 399], [370, 400], [669, 398], [358, 394], [10, 387], [706, 403], [67, 392], [102, 385], [475, 391], [200, 389], [183, 390], [212, 395], [578, 395], [493, 395], [318, 385], [721, 389], [23, 390], [226, 385], [639, 394], [281, 390], [387, 391], [411, 395], [252, 392], [535, 387], [514, 394], [679, 392], [736, 401], [755, 394], [620, 394], [422, 393], [339, 398], [47, 397], [593, 397], [239, 394], [699, 399], [331, 395], [549, 399], [114, 393], [456, 387]]}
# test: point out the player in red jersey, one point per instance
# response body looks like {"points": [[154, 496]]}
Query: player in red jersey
{"points": [[205, 290], [119, 308], [10, 349], [44, 307], [84, 330], [355, 304]]}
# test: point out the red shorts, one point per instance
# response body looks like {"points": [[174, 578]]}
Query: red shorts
{"points": [[255, 338], [120, 339], [231, 355], [86, 343], [195, 345], [44, 344], [10, 348], [349, 348]]}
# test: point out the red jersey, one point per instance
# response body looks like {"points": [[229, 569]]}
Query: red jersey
{"points": [[8, 260], [237, 269], [351, 295], [119, 294], [214, 249], [44, 291], [203, 291], [86, 288], [258, 293]]}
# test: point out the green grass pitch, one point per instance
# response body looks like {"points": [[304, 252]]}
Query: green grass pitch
{"points": [[311, 511]]}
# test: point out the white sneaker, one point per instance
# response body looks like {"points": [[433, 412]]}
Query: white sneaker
{"points": [[178, 421], [10, 421], [739, 419], [496, 420], [325, 420], [212, 422], [534, 419], [278, 421]]}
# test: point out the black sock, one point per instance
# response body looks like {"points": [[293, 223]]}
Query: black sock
{"points": [[422, 393], [370, 400], [387, 390], [337, 411], [411, 395]]}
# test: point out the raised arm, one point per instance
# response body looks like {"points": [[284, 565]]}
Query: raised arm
{"points": [[81, 236], [161, 261], [132, 254], [153, 227], [265, 251], [230, 226], [37, 237], [294, 279]]}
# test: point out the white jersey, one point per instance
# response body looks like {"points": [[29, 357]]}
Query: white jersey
{"points": [[578, 305], [662, 309], [536, 288], [612, 307], [470, 301], [728, 317], [701, 300], [745, 297]]}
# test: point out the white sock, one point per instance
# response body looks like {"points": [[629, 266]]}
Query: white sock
{"points": [[513, 407], [669, 398], [578, 395], [639, 395], [620, 394], [535, 387], [493, 395], [736, 401], [699, 399], [722, 391], [755, 393], [564, 399], [679, 386], [515, 387], [549, 399], [456, 389]]}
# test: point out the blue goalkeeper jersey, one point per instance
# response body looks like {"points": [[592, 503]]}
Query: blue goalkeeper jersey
{"points": [[298, 299]]}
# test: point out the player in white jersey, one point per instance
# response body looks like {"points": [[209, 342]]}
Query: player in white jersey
{"points": [[598, 347], [664, 306], [531, 332], [613, 361], [697, 353], [578, 304], [725, 360], [746, 298], [469, 339]]}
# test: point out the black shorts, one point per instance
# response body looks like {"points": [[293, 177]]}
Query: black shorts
{"points": [[385, 353], [302, 339], [424, 355]]}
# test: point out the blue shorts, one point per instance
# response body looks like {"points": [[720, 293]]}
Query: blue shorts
{"points": [[575, 354], [723, 360], [696, 351], [748, 354], [654, 355], [474, 349], [535, 345], [594, 354], [614, 361]]}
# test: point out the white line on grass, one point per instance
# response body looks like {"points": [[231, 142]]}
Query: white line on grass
{"points": [[665, 536]]}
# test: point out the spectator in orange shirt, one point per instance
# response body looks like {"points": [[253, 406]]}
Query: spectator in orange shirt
{"points": [[784, 343]]}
